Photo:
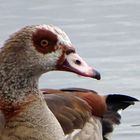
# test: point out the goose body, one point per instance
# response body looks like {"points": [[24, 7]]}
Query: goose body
{"points": [[86, 115], [25, 56]]}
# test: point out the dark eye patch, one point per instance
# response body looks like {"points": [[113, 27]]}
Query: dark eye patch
{"points": [[43, 34]]}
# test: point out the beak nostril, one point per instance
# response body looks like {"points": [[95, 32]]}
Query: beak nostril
{"points": [[78, 62]]}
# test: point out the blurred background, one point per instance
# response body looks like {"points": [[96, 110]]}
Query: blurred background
{"points": [[106, 33]]}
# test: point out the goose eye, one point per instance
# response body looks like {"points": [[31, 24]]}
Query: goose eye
{"points": [[44, 43]]}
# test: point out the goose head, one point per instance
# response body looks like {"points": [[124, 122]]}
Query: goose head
{"points": [[43, 48]]}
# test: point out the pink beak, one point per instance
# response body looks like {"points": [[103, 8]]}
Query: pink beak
{"points": [[74, 63]]}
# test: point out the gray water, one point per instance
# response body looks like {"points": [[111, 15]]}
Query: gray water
{"points": [[106, 33]]}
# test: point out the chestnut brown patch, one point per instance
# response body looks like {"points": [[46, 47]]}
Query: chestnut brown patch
{"points": [[44, 41], [96, 102], [10, 110]]}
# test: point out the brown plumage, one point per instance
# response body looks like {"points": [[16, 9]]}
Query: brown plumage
{"points": [[74, 107], [70, 111]]}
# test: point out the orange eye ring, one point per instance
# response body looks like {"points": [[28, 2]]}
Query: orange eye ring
{"points": [[44, 43]]}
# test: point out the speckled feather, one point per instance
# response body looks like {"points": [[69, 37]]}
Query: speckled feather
{"points": [[20, 68]]}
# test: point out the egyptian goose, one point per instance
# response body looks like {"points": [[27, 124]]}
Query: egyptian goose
{"points": [[85, 115], [26, 55]]}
